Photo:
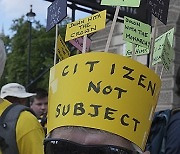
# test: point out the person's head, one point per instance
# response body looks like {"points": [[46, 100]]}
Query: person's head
{"points": [[81, 140], [39, 102], [15, 93], [2, 57]]}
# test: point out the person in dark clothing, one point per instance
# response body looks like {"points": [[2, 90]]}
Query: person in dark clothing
{"points": [[172, 145]]}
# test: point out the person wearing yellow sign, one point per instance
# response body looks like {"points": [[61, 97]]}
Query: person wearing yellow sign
{"points": [[100, 103]]}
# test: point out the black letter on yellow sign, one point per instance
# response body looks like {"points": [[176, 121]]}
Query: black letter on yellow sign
{"points": [[65, 73], [79, 107], [96, 110], [92, 63], [127, 75], [123, 121], [107, 112]]}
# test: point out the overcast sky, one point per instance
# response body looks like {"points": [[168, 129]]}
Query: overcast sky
{"points": [[13, 9]]}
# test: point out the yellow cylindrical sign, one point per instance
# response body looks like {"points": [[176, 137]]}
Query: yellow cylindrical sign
{"points": [[104, 91]]}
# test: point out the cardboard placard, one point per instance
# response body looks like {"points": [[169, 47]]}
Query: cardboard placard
{"points": [[56, 12], [159, 43], [86, 26], [129, 3], [167, 54], [62, 50], [137, 32], [159, 9], [138, 50], [104, 91], [78, 43]]}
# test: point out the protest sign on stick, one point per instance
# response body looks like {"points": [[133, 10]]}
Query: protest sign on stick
{"points": [[119, 3], [129, 3], [85, 26], [57, 11], [159, 9], [136, 32], [62, 50], [159, 43], [138, 50], [78, 43]]}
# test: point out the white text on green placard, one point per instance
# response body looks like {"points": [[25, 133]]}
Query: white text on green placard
{"points": [[136, 32]]}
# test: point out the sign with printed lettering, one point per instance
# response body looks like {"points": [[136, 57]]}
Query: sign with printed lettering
{"points": [[137, 32], [159, 9], [129, 3], [57, 11], [104, 91], [138, 50], [62, 50], [159, 43], [86, 26], [78, 43], [167, 54]]}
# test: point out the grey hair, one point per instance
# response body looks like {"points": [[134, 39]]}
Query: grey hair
{"points": [[2, 57]]}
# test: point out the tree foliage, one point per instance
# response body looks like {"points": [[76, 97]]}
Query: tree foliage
{"points": [[41, 58]]}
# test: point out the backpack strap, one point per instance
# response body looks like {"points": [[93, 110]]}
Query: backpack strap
{"points": [[156, 139], [8, 121]]}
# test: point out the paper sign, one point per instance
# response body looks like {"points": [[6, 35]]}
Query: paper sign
{"points": [[104, 91], [129, 3], [167, 54], [136, 32], [57, 11], [138, 50], [86, 26], [62, 50], [78, 43], [159, 9], [159, 43]]}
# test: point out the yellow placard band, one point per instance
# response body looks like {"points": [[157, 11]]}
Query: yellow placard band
{"points": [[104, 91]]}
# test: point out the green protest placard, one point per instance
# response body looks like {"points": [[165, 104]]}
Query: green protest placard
{"points": [[130, 3], [138, 50], [137, 32], [159, 42], [167, 54]]}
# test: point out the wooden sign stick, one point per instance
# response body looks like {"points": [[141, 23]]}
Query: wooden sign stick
{"points": [[55, 53], [133, 52], [153, 43], [84, 43], [161, 72], [112, 29]]}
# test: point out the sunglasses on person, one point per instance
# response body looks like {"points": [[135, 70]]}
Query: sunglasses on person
{"points": [[61, 146]]}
